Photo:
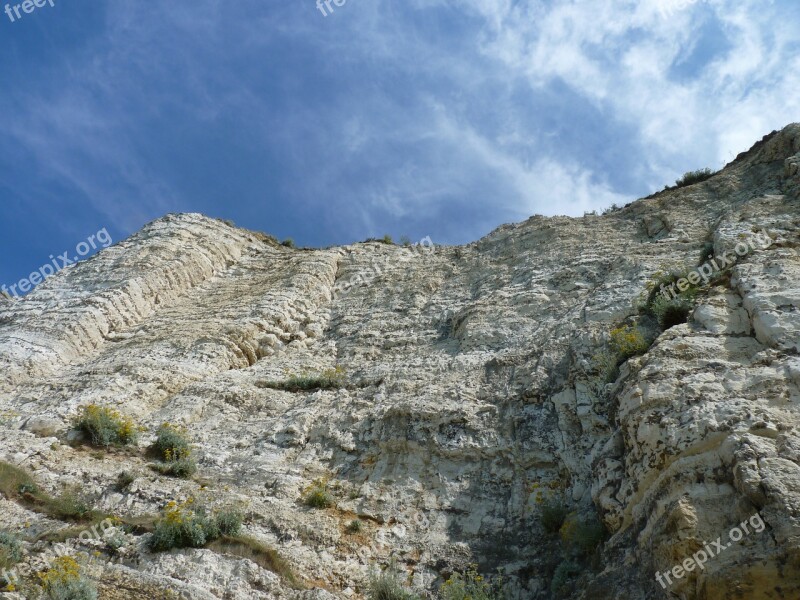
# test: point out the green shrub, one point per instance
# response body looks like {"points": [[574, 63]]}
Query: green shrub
{"points": [[183, 468], [658, 284], [105, 426], [180, 526], [172, 442], [124, 480], [582, 535], [329, 379], [566, 573], [318, 497], [288, 242], [190, 526], [387, 239], [671, 311], [471, 585], [64, 581], [692, 177], [387, 586], [229, 522], [10, 552], [172, 446], [706, 253], [553, 512]]}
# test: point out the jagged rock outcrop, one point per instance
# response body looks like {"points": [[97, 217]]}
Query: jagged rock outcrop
{"points": [[469, 386]]}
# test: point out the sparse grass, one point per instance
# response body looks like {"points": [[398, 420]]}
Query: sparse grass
{"points": [[64, 581], [105, 426], [605, 365], [329, 379], [611, 209], [692, 177], [355, 526], [706, 253], [252, 549], [318, 497], [70, 505]]}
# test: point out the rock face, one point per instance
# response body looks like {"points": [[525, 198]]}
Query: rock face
{"points": [[469, 387]]}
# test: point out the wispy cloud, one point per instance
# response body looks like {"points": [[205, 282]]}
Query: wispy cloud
{"points": [[441, 117]]}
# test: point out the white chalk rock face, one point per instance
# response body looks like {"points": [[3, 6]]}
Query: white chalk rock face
{"points": [[442, 398]]}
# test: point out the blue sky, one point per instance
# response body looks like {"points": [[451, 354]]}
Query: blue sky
{"points": [[409, 117]]}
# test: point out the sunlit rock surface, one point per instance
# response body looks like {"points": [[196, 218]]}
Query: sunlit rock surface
{"points": [[468, 387]]}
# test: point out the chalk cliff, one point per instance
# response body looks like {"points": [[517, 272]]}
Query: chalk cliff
{"points": [[469, 400]]}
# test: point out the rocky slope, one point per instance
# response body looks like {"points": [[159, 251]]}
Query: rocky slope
{"points": [[471, 399]]}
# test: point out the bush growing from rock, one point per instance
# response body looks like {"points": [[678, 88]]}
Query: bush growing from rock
{"points": [[10, 554], [172, 446], [470, 585], [672, 312], [318, 497], [329, 379], [628, 341], [187, 525], [229, 522], [553, 513], [582, 535], [105, 426], [124, 480], [64, 581], [692, 177], [565, 574], [387, 586]]}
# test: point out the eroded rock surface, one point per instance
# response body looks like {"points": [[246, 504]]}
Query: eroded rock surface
{"points": [[469, 387]]}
